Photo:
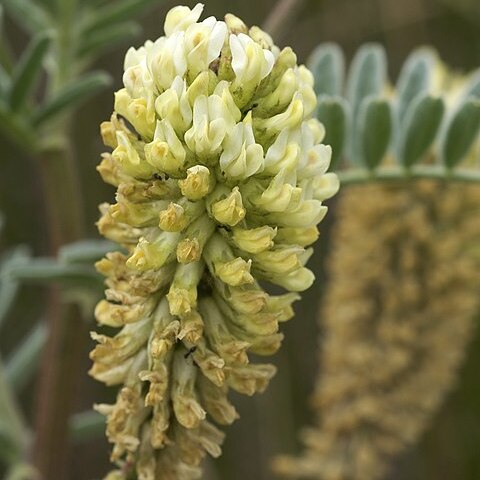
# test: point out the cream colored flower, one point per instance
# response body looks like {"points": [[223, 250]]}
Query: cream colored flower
{"points": [[220, 178]]}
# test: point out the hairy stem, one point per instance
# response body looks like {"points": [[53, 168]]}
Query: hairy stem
{"points": [[66, 330]]}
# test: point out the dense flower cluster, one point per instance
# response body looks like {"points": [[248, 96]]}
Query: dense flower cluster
{"points": [[220, 176], [397, 318]]}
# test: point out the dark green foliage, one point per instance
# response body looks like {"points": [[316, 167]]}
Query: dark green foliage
{"points": [[333, 113], [27, 71], [71, 95], [419, 129], [374, 131], [327, 64], [461, 132], [415, 79]]}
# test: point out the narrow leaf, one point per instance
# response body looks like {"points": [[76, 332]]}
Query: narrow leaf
{"points": [[47, 270], [327, 64], [13, 126], [5, 51], [333, 113], [72, 95], [421, 125], [86, 251], [29, 14], [21, 366], [115, 13], [374, 130], [27, 70], [461, 132], [415, 78], [9, 287], [13, 432], [86, 425], [4, 83], [367, 75], [107, 37]]}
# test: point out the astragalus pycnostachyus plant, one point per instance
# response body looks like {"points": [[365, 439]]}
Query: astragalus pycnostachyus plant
{"points": [[220, 176]]}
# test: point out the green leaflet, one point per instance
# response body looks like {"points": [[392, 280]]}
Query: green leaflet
{"points": [[374, 131], [327, 64], [333, 112], [422, 121], [28, 70], [461, 132], [367, 76], [72, 95], [415, 79]]}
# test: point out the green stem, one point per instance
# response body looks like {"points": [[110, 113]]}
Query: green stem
{"points": [[66, 42], [395, 174]]}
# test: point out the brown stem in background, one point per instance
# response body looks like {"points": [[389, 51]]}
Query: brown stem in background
{"points": [[59, 370], [282, 16]]}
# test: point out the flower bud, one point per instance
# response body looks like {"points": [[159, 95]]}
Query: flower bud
{"points": [[251, 64], [180, 18], [241, 157], [197, 184], [139, 112], [187, 410], [255, 240], [182, 296], [230, 210], [204, 41], [166, 153]]}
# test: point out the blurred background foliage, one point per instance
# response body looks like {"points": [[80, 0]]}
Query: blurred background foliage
{"points": [[268, 423]]}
